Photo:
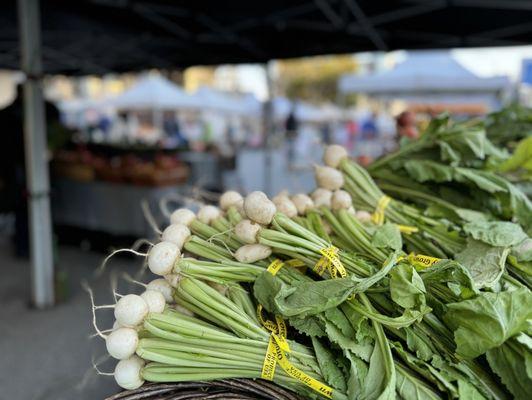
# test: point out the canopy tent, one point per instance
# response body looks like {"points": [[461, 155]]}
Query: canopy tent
{"points": [[99, 36], [428, 76], [153, 92], [226, 102]]}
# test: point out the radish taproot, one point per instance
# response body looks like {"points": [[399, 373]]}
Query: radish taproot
{"points": [[209, 213], [155, 301], [285, 205], [162, 286], [341, 200], [303, 203], [251, 253], [333, 155], [131, 310], [259, 208], [247, 231], [328, 177], [231, 199], [128, 373], [182, 216], [122, 343], [177, 234], [162, 257], [322, 197]]}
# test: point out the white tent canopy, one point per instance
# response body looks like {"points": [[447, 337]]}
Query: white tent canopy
{"points": [[423, 73], [154, 92], [246, 105]]}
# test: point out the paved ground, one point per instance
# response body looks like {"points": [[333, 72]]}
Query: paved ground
{"points": [[46, 355]]}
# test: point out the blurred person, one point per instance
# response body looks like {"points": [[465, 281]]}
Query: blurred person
{"points": [[352, 133], [291, 134], [368, 130], [13, 167], [406, 127], [326, 133]]}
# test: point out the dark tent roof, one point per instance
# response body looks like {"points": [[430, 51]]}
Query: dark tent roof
{"points": [[99, 36]]}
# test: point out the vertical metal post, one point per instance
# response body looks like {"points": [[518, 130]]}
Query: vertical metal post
{"points": [[268, 126], [38, 184]]}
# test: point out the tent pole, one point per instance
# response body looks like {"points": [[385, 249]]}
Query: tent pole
{"points": [[268, 127], [38, 185]]}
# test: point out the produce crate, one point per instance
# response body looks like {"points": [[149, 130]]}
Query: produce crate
{"points": [[227, 389]]}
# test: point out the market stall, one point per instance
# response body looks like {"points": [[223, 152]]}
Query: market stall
{"points": [[431, 78]]}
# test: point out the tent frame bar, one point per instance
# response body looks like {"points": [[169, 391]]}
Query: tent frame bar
{"points": [[36, 158]]}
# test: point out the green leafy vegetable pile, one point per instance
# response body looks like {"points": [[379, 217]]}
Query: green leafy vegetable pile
{"points": [[346, 293]]}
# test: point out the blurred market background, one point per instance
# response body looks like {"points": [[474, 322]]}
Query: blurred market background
{"points": [[141, 111]]}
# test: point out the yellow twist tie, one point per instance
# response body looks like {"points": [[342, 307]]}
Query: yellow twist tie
{"points": [[407, 230], [330, 262], [378, 216], [420, 261], [276, 265]]}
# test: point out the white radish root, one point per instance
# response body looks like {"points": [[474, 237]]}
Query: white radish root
{"points": [[162, 258], [328, 178], [285, 205], [322, 197], [155, 301], [259, 208], [231, 199], [333, 155], [182, 216], [162, 286], [177, 234], [128, 373], [131, 310], [251, 253], [173, 279], [303, 203], [341, 200], [207, 214], [363, 216], [122, 343], [247, 231]]}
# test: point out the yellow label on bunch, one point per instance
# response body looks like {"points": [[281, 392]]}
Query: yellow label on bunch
{"points": [[270, 361], [408, 230], [331, 262], [270, 325], [294, 262], [275, 266], [422, 261], [378, 216], [321, 266], [296, 373]]}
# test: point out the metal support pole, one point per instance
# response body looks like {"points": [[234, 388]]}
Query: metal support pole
{"points": [[38, 184], [268, 126]]}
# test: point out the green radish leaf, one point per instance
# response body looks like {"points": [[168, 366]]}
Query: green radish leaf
{"points": [[487, 321], [329, 366], [496, 233], [453, 274], [484, 262], [312, 297], [512, 362], [310, 326], [387, 236], [468, 391], [523, 251], [409, 386], [427, 170], [406, 286]]}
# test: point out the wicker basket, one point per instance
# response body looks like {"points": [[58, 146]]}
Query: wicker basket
{"points": [[227, 389]]}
